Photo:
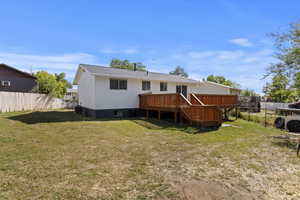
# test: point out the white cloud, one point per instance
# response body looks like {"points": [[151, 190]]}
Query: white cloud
{"points": [[229, 55], [129, 50], [244, 42], [52, 63], [246, 68]]}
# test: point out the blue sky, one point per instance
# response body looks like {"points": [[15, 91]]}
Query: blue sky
{"points": [[220, 37]]}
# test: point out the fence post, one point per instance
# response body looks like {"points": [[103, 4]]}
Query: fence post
{"points": [[265, 115], [248, 114]]}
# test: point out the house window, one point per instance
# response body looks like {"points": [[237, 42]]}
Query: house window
{"points": [[163, 86], [146, 85], [5, 83], [117, 84]]}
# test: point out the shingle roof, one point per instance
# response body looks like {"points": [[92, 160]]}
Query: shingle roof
{"points": [[221, 85], [124, 73], [17, 70]]}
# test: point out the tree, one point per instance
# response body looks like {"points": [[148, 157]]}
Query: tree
{"points": [[278, 89], [296, 84], [179, 71], [288, 51], [62, 78], [126, 64], [249, 93], [222, 80], [55, 85], [288, 67]]}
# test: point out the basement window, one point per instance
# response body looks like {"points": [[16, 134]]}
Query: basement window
{"points": [[163, 86], [5, 83], [146, 85], [118, 113], [118, 84]]}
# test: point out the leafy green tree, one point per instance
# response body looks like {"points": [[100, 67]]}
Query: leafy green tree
{"points": [[126, 64], [46, 82], [61, 77], [179, 71], [288, 51], [288, 67], [296, 84], [278, 89], [222, 80], [55, 85]]}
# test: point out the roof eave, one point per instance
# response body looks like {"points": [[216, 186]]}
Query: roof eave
{"points": [[143, 78], [19, 71], [77, 75], [221, 85]]}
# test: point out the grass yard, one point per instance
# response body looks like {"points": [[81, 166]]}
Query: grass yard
{"points": [[260, 117], [60, 155]]}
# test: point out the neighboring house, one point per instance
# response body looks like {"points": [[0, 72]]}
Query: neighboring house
{"points": [[71, 98], [208, 87], [71, 95], [106, 91], [14, 80]]}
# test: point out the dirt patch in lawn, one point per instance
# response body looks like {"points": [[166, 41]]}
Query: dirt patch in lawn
{"points": [[204, 190]]}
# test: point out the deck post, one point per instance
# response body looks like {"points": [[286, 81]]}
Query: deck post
{"points": [[225, 114], [181, 118], [236, 112], [175, 117], [159, 115], [147, 114]]}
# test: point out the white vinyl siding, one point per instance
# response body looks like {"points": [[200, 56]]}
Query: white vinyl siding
{"points": [[86, 90], [106, 98]]}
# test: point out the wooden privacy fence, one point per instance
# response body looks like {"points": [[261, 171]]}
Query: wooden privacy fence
{"points": [[17, 101]]}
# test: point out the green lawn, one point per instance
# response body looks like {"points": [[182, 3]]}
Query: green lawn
{"points": [[260, 117], [60, 155]]}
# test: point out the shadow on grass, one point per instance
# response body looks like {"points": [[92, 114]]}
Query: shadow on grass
{"points": [[47, 117], [156, 124], [71, 116], [53, 117]]}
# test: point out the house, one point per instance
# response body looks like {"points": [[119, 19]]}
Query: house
{"points": [[71, 98], [109, 92], [208, 87], [14, 80], [71, 94]]}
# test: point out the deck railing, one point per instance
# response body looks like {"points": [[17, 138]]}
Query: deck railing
{"points": [[217, 100], [162, 101], [178, 103]]}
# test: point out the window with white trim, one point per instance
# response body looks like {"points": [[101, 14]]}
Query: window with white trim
{"points": [[146, 85], [5, 83], [163, 86], [118, 84]]}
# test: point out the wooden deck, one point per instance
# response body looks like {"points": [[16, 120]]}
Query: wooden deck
{"points": [[225, 102], [194, 113], [222, 101]]}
